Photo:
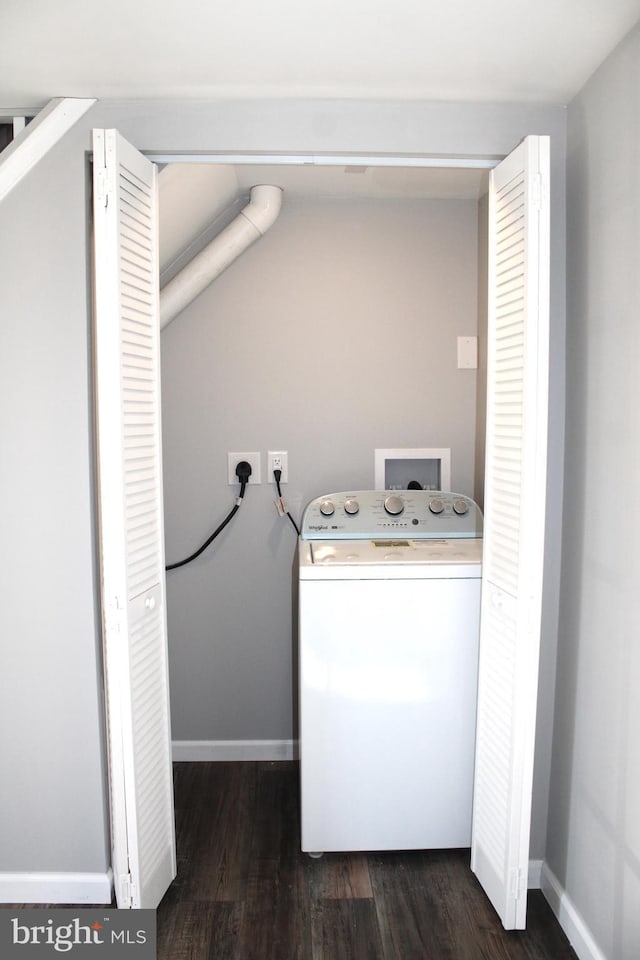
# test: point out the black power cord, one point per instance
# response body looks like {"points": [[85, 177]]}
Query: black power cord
{"points": [[243, 472], [277, 474]]}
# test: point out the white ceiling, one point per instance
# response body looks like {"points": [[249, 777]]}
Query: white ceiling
{"points": [[194, 195], [495, 50], [382, 182]]}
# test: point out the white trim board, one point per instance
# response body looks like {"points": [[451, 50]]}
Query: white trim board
{"points": [[33, 887], [328, 160], [35, 141], [568, 917], [217, 750], [10, 113]]}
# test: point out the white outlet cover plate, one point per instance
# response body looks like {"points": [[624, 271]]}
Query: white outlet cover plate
{"points": [[233, 459], [467, 353], [284, 460]]}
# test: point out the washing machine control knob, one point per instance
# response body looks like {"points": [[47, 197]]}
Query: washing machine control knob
{"points": [[460, 507], [394, 505], [436, 505], [327, 508], [351, 507]]}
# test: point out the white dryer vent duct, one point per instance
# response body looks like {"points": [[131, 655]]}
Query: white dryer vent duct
{"points": [[250, 224]]}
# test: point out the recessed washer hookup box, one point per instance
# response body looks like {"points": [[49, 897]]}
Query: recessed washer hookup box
{"points": [[424, 468]]}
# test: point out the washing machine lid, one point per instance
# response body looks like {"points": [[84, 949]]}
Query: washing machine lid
{"points": [[390, 559], [396, 551]]}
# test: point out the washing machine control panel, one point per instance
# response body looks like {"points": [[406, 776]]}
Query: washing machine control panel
{"points": [[379, 514]]}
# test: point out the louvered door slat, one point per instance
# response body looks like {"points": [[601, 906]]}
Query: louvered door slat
{"points": [[132, 549]]}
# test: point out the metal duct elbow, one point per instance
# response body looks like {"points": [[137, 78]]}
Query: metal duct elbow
{"points": [[250, 224]]}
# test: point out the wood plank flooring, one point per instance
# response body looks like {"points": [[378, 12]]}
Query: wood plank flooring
{"points": [[244, 891]]}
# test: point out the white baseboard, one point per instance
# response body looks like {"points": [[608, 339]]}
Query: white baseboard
{"points": [[569, 918], [59, 888], [233, 750]]}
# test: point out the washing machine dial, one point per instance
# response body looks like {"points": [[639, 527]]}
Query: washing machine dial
{"points": [[460, 507], [351, 507], [327, 508], [436, 505], [394, 505]]}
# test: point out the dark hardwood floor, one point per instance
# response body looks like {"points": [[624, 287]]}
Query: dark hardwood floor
{"points": [[244, 891]]}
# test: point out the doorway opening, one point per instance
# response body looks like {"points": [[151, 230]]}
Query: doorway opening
{"points": [[128, 356], [342, 325]]}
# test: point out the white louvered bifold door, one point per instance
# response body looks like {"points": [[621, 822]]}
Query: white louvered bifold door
{"points": [[127, 375], [515, 480]]}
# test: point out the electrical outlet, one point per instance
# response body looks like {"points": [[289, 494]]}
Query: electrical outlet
{"points": [[233, 459], [278, 460]]}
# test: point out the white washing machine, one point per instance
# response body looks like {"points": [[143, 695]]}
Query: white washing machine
{"points": [[389, 611]]}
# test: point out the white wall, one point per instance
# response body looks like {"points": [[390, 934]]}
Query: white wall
{"points": [[333, 335], [594, 823], [53, 805]]}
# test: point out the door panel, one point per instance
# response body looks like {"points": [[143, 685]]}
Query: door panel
{"points": [[127, 373], [515, 479]]}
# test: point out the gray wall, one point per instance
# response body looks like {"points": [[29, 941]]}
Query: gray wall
{"points": [[481, 378], [53, 815], [52, 805], [594, 833], [333, 335]]}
